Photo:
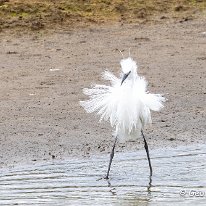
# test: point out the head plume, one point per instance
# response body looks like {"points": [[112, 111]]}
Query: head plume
{"points": [[128, 65]]}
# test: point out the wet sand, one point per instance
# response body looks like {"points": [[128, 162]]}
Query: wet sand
{"points": [[42, 77]]}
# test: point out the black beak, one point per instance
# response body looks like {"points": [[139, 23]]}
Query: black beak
{"points": [[125, 76]]}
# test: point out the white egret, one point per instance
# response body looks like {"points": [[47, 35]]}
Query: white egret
{"points": [[126, 103]]}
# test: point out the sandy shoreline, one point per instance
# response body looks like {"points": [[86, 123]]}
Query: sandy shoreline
{"points": [[41, 81]]}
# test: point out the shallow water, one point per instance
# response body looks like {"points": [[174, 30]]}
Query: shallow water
{"points": [[77, 181]]}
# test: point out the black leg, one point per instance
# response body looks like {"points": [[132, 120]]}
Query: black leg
{"points": [[147, 151], [150, 184], [111, 158]]}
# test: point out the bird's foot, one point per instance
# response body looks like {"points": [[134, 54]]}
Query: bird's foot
{"points": [[103, 178], [106, 177]]}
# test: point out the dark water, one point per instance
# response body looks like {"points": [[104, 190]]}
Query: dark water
{"points": [[76, 181]]}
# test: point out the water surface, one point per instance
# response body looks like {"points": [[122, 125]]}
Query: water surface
{"points": [[78, 181]]}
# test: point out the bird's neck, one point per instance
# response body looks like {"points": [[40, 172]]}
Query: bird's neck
{"points": [[134, 76]]}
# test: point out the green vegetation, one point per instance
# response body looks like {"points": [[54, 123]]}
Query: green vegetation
{"points": [[38, 14]]}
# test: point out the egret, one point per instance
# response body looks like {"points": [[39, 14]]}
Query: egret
{"points": [[126, 103]]}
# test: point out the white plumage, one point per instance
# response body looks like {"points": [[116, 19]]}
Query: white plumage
{"points": [[125, 103]]}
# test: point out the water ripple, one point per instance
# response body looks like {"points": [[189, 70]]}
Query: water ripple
{"points": [[78, 181]]}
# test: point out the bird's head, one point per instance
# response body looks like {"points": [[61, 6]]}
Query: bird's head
{"points": [[129, 68]]}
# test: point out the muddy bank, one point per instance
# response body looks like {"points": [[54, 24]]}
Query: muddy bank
{"points": [[41, 81], [40, 15]]}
